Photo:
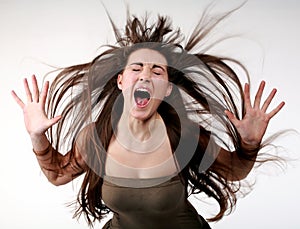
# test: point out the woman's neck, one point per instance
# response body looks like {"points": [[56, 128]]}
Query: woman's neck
{"points": [[141, 135]]}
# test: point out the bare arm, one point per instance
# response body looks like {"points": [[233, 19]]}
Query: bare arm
{"points": [[233, 167], [58, 168], [251, 130]]}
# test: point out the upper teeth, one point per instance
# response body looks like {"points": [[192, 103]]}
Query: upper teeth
{"points": [[142, 89]]}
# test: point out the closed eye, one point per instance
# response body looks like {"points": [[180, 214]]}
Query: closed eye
{"points": [[136, 67], [158, 70]]}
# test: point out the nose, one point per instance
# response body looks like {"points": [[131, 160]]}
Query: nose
{"points": [[145, 75]]}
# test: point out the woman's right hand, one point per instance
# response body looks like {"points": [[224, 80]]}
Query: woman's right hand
{"points": [[35, 117]]}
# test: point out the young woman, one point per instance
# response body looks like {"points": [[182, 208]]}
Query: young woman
{"points": [[148, 122]]}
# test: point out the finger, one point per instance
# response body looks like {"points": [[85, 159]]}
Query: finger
{"points": [[276, 110], [44, 93], [268, 100], [247, 96], [17, 99], [258, 95], [27, 90], [35, 89]]}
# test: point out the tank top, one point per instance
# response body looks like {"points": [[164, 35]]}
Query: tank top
{"points": [[154, 203]]}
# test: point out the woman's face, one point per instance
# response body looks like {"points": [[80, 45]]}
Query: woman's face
{"points": [[144, 83]]}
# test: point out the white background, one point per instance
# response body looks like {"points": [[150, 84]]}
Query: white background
{"points": [[63, 33]]}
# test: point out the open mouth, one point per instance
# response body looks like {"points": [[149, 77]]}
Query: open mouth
{"points": [[142, 97]]}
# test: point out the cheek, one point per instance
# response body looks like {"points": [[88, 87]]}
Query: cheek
{"points": [[128, 82], [128, 87], [161, 89]]}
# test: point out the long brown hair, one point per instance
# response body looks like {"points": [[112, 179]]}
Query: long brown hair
{"points": [[206, 85]]}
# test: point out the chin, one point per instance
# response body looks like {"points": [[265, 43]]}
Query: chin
{"points": [[141, 115]]}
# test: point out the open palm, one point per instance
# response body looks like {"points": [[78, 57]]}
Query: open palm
{"points": [[253, 125], [35, 117]]}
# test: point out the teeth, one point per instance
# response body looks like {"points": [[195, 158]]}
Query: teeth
{"points": [[142, 89]]}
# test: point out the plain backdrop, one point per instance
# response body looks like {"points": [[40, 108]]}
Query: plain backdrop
{"points": [[34, 33]]}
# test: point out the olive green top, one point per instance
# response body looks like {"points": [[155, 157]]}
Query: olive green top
{"points": [[154, 203]]}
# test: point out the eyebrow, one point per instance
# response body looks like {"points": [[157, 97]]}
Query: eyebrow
{"points": [[154, 65]]}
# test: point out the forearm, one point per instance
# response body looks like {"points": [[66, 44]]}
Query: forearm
{"points": [[243, 164], [244, 160], [59, 169], [235, 166]]}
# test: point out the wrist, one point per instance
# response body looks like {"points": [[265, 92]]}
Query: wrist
{"points": [[42, 152], [39, 142], [250, 150], [36, 135]]}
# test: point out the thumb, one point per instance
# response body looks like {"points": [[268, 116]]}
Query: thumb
{"points": [[231, 117], [54, 120]]}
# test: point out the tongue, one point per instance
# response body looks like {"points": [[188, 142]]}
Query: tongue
{"points": [[141, 101]]}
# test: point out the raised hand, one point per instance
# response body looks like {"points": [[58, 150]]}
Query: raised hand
{"points": [[35, 117], [255, 122]]}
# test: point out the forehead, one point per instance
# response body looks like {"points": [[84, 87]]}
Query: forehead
{"points": [[146, 56]]}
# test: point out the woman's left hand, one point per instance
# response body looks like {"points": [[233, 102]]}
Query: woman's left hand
{"points": [[256, 119]]}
